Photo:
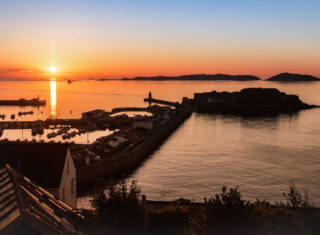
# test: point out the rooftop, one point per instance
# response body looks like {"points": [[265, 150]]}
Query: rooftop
{"points": [[24, 202], [41, 162]]}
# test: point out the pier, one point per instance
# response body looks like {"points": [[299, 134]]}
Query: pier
{"points": [[73, 123], [164, 102], [23, 102], [130, 109]]}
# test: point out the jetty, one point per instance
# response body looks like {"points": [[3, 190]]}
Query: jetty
{"points": [[48, 123], [23, 102], [130, 109], [163, 102]]}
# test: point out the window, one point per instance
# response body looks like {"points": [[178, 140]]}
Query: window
{"points": [[72, 186]]}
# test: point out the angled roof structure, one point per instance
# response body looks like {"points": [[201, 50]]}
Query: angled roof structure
{"points": [[41, 162], [26, 208]]}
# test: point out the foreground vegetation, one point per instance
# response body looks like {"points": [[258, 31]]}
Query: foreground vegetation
{"points": [[123, 211]]}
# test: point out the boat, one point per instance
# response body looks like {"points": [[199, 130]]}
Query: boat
{"points": [[69, 81], [13, 116], [25, 113], [37, 131], [34, 132], [52, 135]]}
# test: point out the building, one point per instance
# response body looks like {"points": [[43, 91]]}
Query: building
{"points": [[143, 124], [94, 114], [117, 141], [26, 208], [49, 165]]}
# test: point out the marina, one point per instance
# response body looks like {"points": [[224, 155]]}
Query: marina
{"points": [[161, 164], [112, 154]]}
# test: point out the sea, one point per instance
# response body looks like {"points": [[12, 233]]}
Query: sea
{"points": [[262, 156]]}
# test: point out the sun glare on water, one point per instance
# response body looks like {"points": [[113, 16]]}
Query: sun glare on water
{"points": [[53, 98], [53, 69]]}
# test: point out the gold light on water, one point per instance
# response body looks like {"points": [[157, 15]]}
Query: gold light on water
{"points": [[53, 99]]}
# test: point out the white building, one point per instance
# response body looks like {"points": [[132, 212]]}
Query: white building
{"points": [[49, 165]]}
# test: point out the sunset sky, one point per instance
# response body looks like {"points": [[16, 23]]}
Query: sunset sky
{"points": [[114, 39]]}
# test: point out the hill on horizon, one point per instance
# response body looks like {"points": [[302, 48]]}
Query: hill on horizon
{"points": [[291, 77], [198, 77]]}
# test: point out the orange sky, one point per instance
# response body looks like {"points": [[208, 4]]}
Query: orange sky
{"points": [[100, 40]]}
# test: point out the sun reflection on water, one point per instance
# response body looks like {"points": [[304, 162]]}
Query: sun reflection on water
{"points": [[53, 99]]}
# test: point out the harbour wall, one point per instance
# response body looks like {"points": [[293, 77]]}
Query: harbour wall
{"points": [[126, 161]]}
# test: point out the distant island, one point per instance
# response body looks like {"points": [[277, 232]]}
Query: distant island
{"points": [[282, 77], [198, 77], [290, 77]]}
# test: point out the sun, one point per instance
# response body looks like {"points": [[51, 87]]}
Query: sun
{"points": [[53, 69]]}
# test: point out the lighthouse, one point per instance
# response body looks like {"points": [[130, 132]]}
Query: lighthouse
{"points": [[150, 98]]}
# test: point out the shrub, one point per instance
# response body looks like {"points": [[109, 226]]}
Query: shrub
{"points": [[120, 210], [295, 199], [226, 213], [173, 219]]}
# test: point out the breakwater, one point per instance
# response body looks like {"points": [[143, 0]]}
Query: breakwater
{"points": [[74, 123], [23, 102], [127, 160]]}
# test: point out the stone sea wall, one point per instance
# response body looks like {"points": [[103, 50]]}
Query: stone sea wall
{"points": [[115, 166]]}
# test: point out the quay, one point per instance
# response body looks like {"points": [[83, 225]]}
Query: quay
{"points": [[48, 123], [129, 156], [23, 102], [123, 150]]}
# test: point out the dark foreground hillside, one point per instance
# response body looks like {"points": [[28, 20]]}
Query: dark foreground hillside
{"points": [[123, 211]]}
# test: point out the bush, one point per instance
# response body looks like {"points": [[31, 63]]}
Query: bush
{"points": [[173, 219], [295, 199], [226, 213], [120, 211]]}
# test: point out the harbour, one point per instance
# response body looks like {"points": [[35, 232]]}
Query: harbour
{"points": [[157, 174], [159, 117]]}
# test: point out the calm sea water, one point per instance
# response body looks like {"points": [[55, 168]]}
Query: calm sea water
{"points": [[262, 156]]}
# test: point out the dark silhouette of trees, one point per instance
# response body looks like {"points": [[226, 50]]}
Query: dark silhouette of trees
{"points": [[122, 210]]}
